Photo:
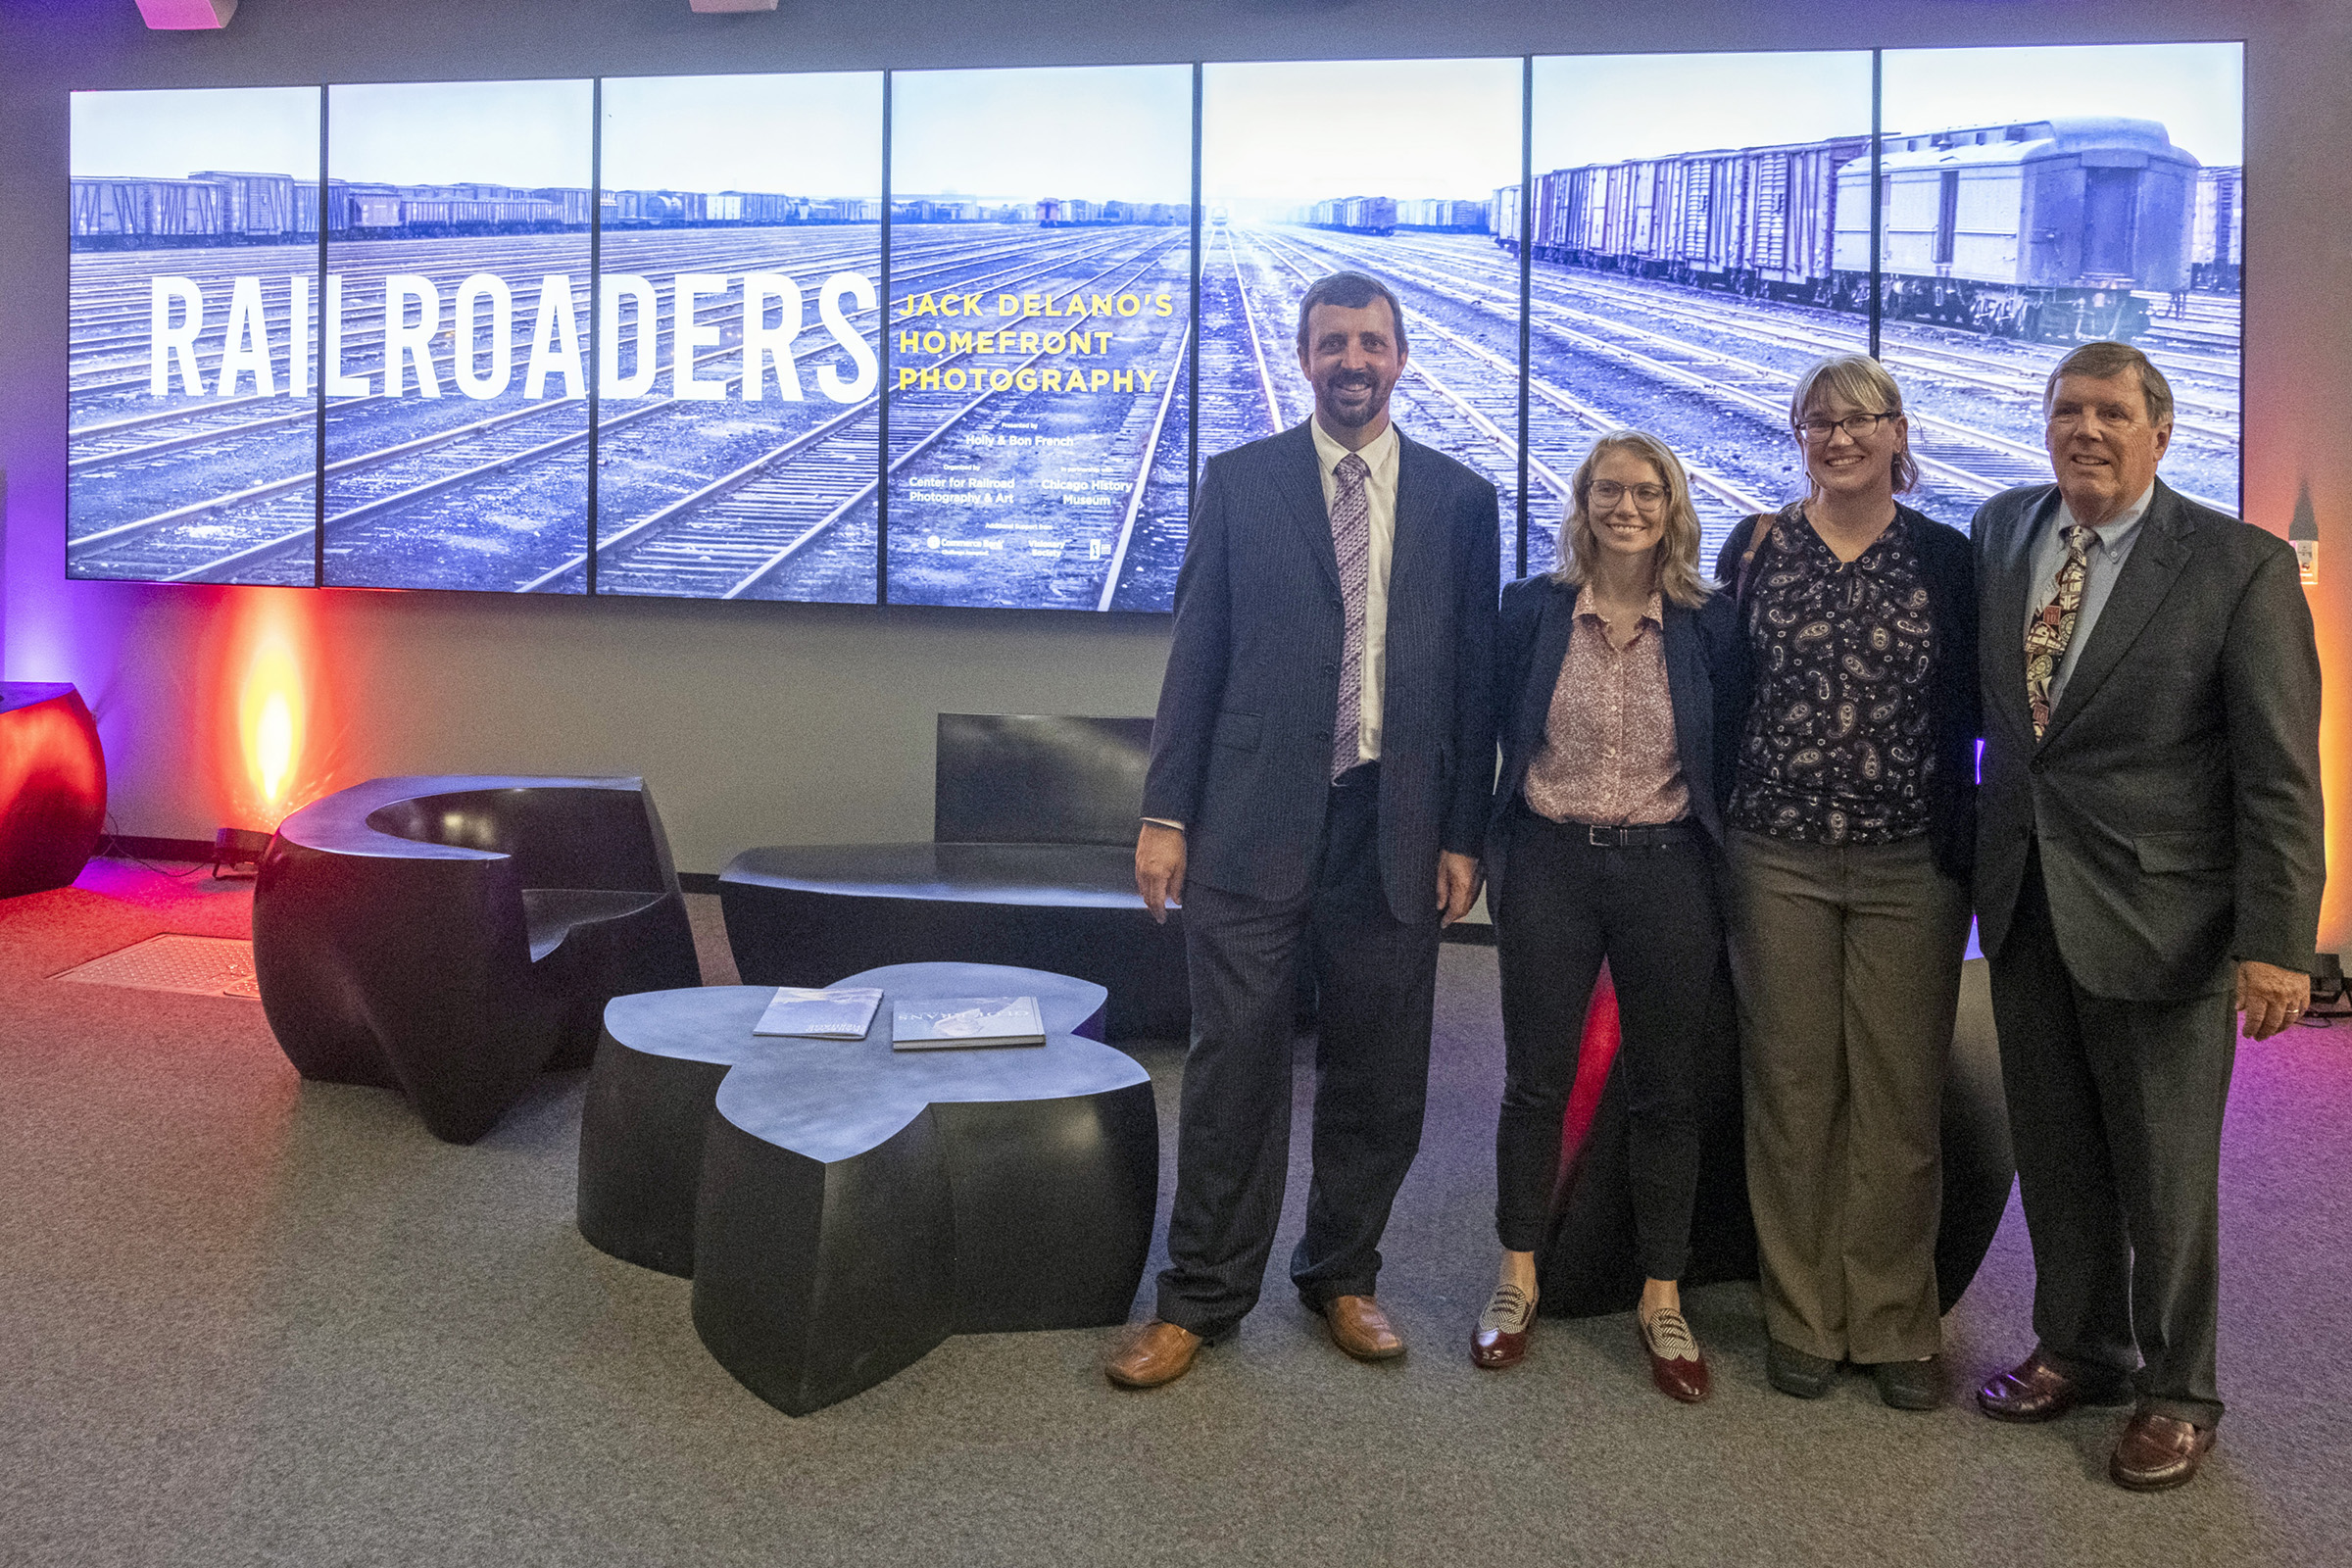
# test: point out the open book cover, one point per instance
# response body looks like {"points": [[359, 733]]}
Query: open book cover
{"points": [[946, 1022], [843, 1014]]}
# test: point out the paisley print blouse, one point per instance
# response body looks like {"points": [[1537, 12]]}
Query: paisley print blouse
{"points": [[1836, 744]]}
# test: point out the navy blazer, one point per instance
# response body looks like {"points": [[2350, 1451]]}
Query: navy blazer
{"points": [[1240, 751], [1531, 646], [1947, 565]]}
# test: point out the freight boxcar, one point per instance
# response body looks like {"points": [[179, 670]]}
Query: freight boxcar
{"points": [[113, 213], [2038, 230], [263, 209], [2217, 251]]}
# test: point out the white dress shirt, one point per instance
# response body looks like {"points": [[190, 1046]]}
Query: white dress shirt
{"points": [[1380, 493], [1380, 490], [2110, 543]]}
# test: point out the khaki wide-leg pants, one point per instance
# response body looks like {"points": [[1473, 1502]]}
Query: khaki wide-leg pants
{"points": [[1847, 959]]}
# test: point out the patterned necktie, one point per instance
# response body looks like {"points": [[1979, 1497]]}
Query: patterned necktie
{"points": [[1351, 540], [2051, 631]]}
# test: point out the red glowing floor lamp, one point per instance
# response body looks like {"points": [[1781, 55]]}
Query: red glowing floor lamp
{"points": [[52, 787]]}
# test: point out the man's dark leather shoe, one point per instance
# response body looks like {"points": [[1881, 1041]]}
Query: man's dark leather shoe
{"points": [[1360, 1328], [2035, 1390], [1157, 1352], [1794, 1372], [2158, 1451]]}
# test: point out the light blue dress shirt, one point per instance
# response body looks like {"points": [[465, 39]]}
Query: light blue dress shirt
{"points": [[2111, 544]]}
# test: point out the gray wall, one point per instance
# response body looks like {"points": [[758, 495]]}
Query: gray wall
{"points": [[763, 723]]}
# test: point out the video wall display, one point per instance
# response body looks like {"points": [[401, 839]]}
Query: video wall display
{"points": [[688, 336], [1388, 166], [2032, 198], [192, 422], [1040, 327], [459, 333], [1682, 230], [740, 417]]}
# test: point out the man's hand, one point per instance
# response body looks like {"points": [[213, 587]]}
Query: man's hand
{"points": [[1159, 868], [1457, 884], [2271, 998]]}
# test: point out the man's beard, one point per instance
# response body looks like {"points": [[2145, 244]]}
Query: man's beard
{"points": [[1372, 406]]}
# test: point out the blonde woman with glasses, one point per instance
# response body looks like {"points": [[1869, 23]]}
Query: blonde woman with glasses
{"points": [[1849, 722], [1602, 846]]}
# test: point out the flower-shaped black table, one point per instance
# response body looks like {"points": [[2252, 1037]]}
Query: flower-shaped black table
{"points": [[844, 1207]]}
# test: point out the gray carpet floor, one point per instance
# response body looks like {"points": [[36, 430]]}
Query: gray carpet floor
{"points": [[247, 1320]]}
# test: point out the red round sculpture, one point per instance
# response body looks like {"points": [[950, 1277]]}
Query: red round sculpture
{"points": [[52, 787]]}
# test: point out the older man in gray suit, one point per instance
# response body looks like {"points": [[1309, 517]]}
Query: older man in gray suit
{"points": [[2149, 861], [1317, 790]]}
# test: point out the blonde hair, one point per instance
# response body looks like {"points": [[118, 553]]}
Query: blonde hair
{"points": [[1676, 557], [1862, 381]]}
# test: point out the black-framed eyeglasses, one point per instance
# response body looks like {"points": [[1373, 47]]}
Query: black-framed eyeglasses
{"points": [[1606, 493], [1857, 425]]}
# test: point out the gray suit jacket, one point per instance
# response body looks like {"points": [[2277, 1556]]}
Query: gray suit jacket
{"points": [[2176, 796], [1241, 752]]}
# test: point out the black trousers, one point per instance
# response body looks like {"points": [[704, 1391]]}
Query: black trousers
{"points": [[1376, 978], [2114, 1109], [1568, 904]]}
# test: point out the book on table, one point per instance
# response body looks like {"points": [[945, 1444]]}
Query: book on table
{"points": [[844, 1012], [946, 1024]]}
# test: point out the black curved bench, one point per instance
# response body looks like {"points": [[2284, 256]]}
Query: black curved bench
{"points": [[1031, 866], [452, 935], [1589, 1265], [844, 1207]]}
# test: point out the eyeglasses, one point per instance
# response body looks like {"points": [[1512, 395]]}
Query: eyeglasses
{"points": [[1856, 425], [1606, 493]]}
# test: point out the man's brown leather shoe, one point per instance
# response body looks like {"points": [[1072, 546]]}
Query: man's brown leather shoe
{"points": [[2035, 1390], [1155, 1353], [2158, 1451], [1360, 1328]]}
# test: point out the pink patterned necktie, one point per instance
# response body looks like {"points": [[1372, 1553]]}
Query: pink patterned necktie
{"points": [[2047, 636], [1351, 541]]}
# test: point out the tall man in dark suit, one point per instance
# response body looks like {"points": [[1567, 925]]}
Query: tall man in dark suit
{"points": [[2149, 861], [1318, 786]]}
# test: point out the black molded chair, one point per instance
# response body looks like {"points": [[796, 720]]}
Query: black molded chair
{"points": [[452, 937], [1031, 866]]}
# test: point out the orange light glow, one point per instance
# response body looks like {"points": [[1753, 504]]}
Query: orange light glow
{"points": [[273, 746], [268, 674]]}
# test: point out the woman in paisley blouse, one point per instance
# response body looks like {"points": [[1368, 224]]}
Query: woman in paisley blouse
{"points": [[1602, 846], [1849, 726]]}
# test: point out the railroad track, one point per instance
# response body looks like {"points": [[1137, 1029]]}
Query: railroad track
{"points": [[1971, 462], [275, 518], [1906, 348], [794, 520]]}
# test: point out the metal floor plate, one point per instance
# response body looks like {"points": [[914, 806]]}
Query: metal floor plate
{"points": [[203, 967]]}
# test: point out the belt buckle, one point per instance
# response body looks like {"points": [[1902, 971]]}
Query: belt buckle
{"points": [[1600, 837]]}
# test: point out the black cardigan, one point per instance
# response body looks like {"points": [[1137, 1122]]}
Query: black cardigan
{"points": [[1949, 565]]}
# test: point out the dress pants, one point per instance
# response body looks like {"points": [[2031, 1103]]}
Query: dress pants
{"points": [[1376, 979], [1650, 911], [1846, 960], [2114, 1108]]}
